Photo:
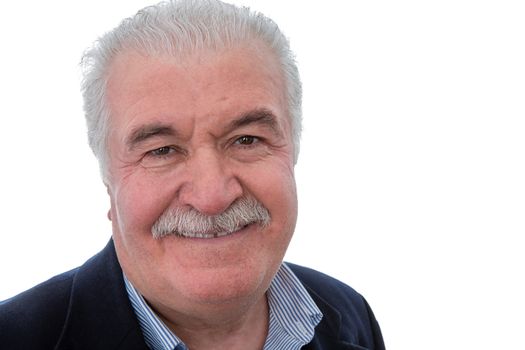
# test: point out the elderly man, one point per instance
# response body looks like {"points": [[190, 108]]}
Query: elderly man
{"points": [[193, 110]]}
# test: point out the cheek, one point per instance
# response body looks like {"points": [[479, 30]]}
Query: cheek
{"points": [[275, 187], [287, 202], [136, 205], [278, 195]]}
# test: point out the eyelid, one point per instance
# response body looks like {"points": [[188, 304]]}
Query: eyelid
{"points": [[153, 152], [255, 140], [172, 149], [172, 156], [247, 136]]}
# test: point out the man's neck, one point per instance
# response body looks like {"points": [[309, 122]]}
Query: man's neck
{"points": [[242, 329]]}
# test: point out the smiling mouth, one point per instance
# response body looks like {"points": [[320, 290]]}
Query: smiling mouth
{"points": [[210, 235]]}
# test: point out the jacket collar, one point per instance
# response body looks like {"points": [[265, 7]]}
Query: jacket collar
{"points": [[100, 314], [328, 332]]}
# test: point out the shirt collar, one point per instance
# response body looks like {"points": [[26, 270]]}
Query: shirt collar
{"points": [[292, 319], [156, 334]]}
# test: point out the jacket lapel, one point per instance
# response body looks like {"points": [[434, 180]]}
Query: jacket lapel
{"points": [[328, 332], [100, 315]]}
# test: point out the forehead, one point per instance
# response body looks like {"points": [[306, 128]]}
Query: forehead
{"points": [[204, 84]]}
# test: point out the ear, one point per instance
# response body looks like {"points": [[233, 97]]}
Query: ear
{"points": [[110, 201]]}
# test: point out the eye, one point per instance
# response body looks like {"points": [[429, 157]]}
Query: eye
{"points": [[246, 140], [162, 151], [162, 156]]}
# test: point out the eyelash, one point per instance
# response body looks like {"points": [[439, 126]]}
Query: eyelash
{"points": [[167, 151], [252, 140], [158, 152]]}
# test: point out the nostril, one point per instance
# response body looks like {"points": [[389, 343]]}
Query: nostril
{"points": [[210, 185]]}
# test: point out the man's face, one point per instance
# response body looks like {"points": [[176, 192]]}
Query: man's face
{"points": [[199, 134]]}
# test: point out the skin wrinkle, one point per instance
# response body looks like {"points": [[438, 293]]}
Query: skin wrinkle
{"points": [[142, 133], [219, 283], [260, 116], [145, 132]]}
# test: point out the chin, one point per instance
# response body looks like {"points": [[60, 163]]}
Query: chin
{"points": [[219, 270], [224, 285]]}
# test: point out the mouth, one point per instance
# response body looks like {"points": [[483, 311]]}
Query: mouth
{"points": [[211, 235]]}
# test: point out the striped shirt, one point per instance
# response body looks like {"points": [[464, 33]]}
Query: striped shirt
{"points": [[293, 316]]}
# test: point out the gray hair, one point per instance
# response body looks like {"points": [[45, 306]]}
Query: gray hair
{"points": [[179, 27], [189, 222]]}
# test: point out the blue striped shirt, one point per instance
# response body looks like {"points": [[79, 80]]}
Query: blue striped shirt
{"points": [[293, 316]]}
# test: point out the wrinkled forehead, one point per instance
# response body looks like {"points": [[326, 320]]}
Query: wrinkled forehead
{"points": [[249, 70]]}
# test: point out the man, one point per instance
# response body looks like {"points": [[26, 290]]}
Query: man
{"points": [[193, 110]]}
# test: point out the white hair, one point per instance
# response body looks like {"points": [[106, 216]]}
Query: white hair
{"points": [[176, 28], [189, 222]]}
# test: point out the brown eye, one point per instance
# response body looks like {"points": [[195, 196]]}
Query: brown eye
{"points": [[162, 151], [246, 140]]}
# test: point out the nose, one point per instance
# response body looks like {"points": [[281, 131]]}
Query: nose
{"points": [[210, 186]]}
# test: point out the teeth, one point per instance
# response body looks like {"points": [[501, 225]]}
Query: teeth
{"points": [[207, 235], [204, 235]]}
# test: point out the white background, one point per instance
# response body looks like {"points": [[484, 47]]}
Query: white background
{"points": [[411, 176]]}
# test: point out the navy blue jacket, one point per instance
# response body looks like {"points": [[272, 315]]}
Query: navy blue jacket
{"points": [[88, 308]]}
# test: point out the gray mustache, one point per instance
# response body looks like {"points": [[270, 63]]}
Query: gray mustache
{"points": [[188, 222]]}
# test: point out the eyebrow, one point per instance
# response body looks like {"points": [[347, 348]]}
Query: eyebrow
{"points": [[145, 132], [261, 116]]}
